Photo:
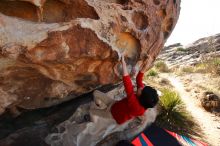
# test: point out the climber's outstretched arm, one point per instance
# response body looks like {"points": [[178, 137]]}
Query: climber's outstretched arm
{"points": [[126, 79], [139, 79], [124, 66]]}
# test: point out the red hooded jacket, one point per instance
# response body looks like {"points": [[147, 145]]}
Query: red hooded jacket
{"points": [[128, 107]]}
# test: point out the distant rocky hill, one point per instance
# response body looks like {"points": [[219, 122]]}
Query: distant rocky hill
{"points": [[204, 48]]}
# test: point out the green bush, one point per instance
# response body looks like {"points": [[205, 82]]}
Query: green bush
{"points": [[172, 106], [161, 66], [174, 116], [152, 72]]}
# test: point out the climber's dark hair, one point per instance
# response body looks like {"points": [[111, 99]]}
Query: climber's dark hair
{"points": [[148, 97]]}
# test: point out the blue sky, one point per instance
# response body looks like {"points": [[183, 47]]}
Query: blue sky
{"points": [[198, 18]]}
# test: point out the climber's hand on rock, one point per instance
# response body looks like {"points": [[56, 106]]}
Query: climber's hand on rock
{"points": [[122, 58], [133, 71], [124, 65]]}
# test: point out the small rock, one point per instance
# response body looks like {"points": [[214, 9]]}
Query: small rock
{"points": [[211, 102], [196, 91], [188, 89]]}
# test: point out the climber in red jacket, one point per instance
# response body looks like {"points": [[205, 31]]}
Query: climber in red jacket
{"points": [[134, 104]]}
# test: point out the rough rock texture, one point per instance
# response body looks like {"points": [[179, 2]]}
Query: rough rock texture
{"points": [[204, 48], [51, 49]]}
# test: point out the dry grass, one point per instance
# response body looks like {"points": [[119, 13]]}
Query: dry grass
{"points": [[209, 66], [188, 69], [161, 66]]}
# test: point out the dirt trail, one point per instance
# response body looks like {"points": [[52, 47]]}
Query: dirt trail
{"points": [[209, 123]]}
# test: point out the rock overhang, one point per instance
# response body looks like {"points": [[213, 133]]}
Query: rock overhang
{"points": [[54, 48]]}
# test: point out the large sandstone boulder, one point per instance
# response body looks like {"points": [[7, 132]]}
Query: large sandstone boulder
{"points": [[55, 50]]}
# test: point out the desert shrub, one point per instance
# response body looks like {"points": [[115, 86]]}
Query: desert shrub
{"points": [[201, 68], [164, 81], [173, 114], [216, 61], [209, 66], [188, 69], [161, 66], [216, 66], [152, 72], [181, 49], [176, 70]]}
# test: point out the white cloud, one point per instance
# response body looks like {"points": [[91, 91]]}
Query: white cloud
{"points": [[198, 18]]}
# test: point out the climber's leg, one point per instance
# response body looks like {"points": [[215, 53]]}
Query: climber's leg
{"points": [[101, 99], [99, 113]]}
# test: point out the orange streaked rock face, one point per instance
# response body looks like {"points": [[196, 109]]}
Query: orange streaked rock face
{"points": [[55, 50]]}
